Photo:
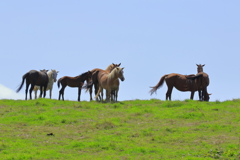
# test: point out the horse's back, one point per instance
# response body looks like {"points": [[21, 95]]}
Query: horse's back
{"points": [[180, 82], [41, 78]]}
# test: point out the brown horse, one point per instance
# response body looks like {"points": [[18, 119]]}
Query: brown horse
{"points": [[107, 81], [94, 78], [34, 77], [179, 81], [202, 83], [77, 81]]}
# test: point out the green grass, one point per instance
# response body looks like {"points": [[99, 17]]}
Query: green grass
{"points": [[139, 129]]}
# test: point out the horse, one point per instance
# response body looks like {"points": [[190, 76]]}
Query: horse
{"points": [[34, 77], [52, 76], [95, 81], [179, 81], [107, 81], [77, 81], [202, 83]]}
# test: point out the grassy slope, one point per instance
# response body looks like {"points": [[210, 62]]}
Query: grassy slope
{"points": [[140, 129]]}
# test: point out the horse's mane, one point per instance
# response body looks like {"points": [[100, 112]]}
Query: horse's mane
{"points": [[82, 74], [113, 72], [109, 68]]}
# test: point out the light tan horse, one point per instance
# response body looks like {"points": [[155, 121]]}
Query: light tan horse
{"points": [[52, 76], [95, 81], [107, 81], [179, 81]]}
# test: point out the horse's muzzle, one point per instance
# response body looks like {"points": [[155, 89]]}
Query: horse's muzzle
{"points": [[122, 79]]}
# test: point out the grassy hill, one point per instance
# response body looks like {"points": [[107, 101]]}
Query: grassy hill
{"points": [[139, 129]]}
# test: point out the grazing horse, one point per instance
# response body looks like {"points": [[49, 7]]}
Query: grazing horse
{"points": [[107, 81], [52, 76], [94, 78], [179, 81], [34, 77], [77, 81]]}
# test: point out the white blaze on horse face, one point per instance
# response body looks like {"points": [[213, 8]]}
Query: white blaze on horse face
{"points": [[122, 76]]}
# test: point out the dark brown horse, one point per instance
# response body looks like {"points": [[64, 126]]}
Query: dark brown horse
{"points": [[95, 81], [77, 81], [34, 77], [179, 81]]}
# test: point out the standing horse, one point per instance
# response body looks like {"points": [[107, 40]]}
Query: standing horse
{"points": [[34, 77], [179, 81], [52, 76], [107, 81], [94, 78], [77, 81], [202, 83]]}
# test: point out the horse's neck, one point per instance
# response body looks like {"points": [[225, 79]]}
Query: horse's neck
{"points": [[200, 70], [112, 76], [50, 78], [109, 68]]}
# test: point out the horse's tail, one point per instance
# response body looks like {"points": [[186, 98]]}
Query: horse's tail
{"points": [[58, 82], [98, 93], [23, 78], [87, 86], [159, 84]]}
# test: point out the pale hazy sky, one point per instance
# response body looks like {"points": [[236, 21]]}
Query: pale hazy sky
{"points": [[149, 38]]}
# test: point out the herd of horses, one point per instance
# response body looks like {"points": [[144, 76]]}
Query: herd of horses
{"points": [[108, 79]]}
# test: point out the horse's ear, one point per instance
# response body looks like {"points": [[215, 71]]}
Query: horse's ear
{"points": [[122, 68], [119, 64], [203, 65]]}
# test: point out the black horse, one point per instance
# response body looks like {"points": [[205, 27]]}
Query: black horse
{"points": [[34, 77]]}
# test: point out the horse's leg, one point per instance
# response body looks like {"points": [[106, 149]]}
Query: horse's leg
{"points": [[200, 94], [61, 92], [108, 95], [79, 93], [50, 93], [30, 91], [35, 92], [41, 91], [192, 94], [116, 95], [26, 91], [44, 92], [169, 93], [90, 93]]}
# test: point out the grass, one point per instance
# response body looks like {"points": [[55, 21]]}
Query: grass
{"points": [[139, 129]]}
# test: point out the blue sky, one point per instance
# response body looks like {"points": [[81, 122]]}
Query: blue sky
{"points": [[149, 38]]}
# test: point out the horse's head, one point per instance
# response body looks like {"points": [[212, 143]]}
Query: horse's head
{"points": [[206, 97], [54, 74], [120, 73], [200, 67]]}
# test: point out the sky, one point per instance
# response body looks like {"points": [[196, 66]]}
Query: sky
{"points": [[149, 39]]}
